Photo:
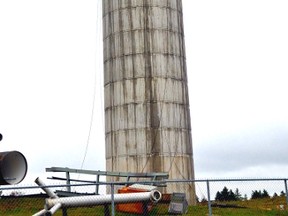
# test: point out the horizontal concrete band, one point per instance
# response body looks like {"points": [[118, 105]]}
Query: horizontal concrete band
{"points": [[177, 167], [163, 154], [112, 6], [135, 66], [118, 119], [132, 94], [135, 104], [133, 42], [141, 19], [149, 129], [138, 56], [115, 34], [130, 144], [125, 79]]}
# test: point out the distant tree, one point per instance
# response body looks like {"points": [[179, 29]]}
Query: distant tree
{"points": [[245, 197], [265, 194], [275, 195], [204, 200], [223, 195], [282, 194], [218, 196], [231, 195], [238, 195], [258, 194], [227, 195]]}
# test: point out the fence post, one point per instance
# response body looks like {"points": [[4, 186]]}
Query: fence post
{"points": [[286, 191], [68, 181], [97, 185], [208, 197], [112, 200]]}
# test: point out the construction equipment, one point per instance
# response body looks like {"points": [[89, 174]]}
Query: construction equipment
{"points": [[138, 207], [54, 203]]}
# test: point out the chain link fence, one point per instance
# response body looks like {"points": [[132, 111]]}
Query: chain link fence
{"points": [[213, 197]]}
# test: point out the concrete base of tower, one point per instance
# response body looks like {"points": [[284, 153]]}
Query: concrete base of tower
{"points": [[178, 167]]}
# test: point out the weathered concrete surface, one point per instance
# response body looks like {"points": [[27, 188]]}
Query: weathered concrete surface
{"points": [[147, 117]]}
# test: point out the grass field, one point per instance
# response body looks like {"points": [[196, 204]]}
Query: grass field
{"points": [[16, 206]]}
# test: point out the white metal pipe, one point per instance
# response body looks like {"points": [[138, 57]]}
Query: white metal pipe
{"points": [[49, 212], [49, 192], [92, 200], [40, 213], [52, 210]]}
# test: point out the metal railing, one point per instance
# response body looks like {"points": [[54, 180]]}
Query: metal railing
{"points": [[154, 177]]}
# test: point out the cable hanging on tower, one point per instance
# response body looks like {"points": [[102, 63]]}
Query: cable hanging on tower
{"points": [[98, 68]]}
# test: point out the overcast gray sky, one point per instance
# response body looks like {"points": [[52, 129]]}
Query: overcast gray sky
{"points": [[237, 61], [237, 51]]}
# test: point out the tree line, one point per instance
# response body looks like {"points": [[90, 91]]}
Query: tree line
{"points": [[229, 195]]}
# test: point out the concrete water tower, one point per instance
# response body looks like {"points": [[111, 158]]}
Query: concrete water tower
{"points": [[147, 117]]}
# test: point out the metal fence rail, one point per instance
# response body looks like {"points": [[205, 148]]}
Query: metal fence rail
{"points": [[29, 200]]}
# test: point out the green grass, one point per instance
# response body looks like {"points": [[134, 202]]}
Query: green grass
{"points": [[17, 206]]}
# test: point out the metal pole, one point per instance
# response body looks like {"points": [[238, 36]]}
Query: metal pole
{"points": [[97, 185], [49, 192], [52, 210], [68, 181], [106, 210], [64, 212], [112, 200], [208, 196], [145, 207], [286, 190], [94, 200], [41, 213]]}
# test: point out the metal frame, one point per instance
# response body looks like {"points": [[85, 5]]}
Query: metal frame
{"points": [[153, 177]]}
